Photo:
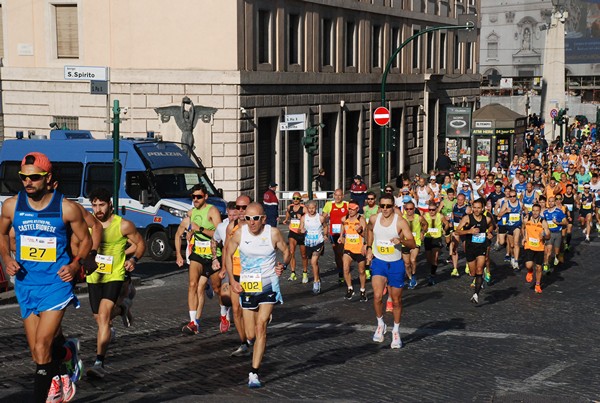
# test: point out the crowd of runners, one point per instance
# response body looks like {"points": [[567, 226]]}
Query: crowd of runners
{"points": [[529, 208]]}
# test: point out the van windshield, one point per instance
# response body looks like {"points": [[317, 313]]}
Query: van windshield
{"points": [[177, 182]]}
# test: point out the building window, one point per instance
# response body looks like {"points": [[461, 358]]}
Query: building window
{"points": [[492, 50], [468, 56], [416, 50], [265, 34], [443, 52], [68, 122], [376, 49], [395, 44], [295, 38], [327, 36], [457, 55], [430, 49], [351, 44], [67, 31]]}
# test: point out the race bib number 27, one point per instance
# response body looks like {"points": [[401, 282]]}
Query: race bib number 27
{"points": [[38, 249]]}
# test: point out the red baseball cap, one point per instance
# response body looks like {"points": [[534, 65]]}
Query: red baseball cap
{"points": [[39, 160]]}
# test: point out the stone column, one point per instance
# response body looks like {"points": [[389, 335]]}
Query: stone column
{"points": [[554, 72]]}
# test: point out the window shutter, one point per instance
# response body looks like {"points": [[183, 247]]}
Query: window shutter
{"points": [[67, 35]]}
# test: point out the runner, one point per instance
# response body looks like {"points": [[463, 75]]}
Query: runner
{"points": [[351, 237], [529, 197], [259, 279], [461, 208], [44, 273], [586, 205], [478, 231], [418, 226], [569, 200], [511, 212], [334, 212], [293, 214], [423, 195], [370, 209], [385, 231], [201, 221], [535, 232], [105, 284], [436, 223], [311, 224]]}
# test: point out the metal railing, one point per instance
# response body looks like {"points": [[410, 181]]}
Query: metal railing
{"points": [[285, 199]]}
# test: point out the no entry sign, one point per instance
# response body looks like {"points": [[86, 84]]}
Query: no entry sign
{"points": [[381, 116]]}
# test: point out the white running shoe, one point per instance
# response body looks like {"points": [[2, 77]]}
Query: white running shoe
{"points": [[396, 341], [475, 299], [378, 336], [96, 371], [253, 381], [55, 394], [68, 388]]}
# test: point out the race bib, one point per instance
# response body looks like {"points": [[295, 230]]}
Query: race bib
{"points": [[552, 224], [534, 242], [528, 206], [514, 217], [587, 206], [251, 282], [503, 220], [202, 247], [352, 239], [478, 238], [38, 249], [580, 188], [294, 223], [434, 232], [105, 264], [569, 207], [385, 247], [456, 225], [336, 228]]}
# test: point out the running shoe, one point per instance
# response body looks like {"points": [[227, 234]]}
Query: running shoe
{"points": [[68, 388], [368, 274], [191, 328], [389, 306], [473, 284], [431, 280], [378, 336], [317, 287], [467, 271], [74, 365], [342, 281], [538, 289], [587, 239], [55, 394], [304, 278], [396, 341], [449, 260], [556, 262], [516, 266], [292, 277], [455, 273], [349, 294], [529, 277], [225, 324], [412, 283], [242, 351], [125, 313], [253, 381], [475, 299], [486, 275], [209, 291], [507, 258], [567, 247], [96, 371], [546, 268], [363, 296]]}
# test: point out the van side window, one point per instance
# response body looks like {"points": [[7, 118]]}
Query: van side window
{"points": [[135, 182], [99, 175], [10, 183], [68, 175]]}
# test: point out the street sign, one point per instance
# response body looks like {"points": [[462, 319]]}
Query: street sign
{"points": [[293, 122], [86, 73], [99, 87], [553, 113], [458, 122], [381, 116]]}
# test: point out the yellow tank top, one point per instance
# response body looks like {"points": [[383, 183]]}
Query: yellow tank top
{"points": [[415, 227], [434, 227], [237, 264], [111, 255], [201, 241], [353, 241], [534, 239]]}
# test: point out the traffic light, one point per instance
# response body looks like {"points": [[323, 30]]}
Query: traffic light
{"points": [[561, 117], [393, 139], [310, 141]]}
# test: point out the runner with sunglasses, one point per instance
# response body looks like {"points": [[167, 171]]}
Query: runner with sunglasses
{"points": [[512, 212], [418, 226], [311, 224], [352, 236], [436, 223], [335, 212], [293, 214], [202, 219], [259, 279], [385, 232]]}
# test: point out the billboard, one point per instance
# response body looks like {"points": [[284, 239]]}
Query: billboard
{"points": [[458, 122], [582, 31]]}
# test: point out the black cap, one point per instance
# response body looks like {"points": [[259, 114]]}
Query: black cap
{"points": [[357, 177], [272, 184]]}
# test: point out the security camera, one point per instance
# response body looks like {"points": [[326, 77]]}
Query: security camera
{"points": [[124, 110], [243, 111]]}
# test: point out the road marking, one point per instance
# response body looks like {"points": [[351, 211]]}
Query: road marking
{"points": [[536, 381]]}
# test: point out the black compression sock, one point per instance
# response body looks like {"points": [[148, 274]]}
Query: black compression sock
{"points": [[478, 282], [433, 269], [43, 378]]}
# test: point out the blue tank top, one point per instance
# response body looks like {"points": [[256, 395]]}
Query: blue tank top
{"points": [[459, 212], [513, 217], [41, 241], [528, 200]]}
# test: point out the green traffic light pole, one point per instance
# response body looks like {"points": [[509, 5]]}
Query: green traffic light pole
{"points": [[383, 142], [116, 122]]}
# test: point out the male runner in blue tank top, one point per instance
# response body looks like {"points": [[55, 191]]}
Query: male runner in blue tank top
{"points": [[44, 270]]}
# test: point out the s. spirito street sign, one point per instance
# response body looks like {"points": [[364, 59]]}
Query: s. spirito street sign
{"points": [[86, 73]]}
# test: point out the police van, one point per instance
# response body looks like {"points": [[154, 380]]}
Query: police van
{"points": [[154, 184]]}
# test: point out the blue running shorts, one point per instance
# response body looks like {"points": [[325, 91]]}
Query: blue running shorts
{"points": [[53, 297], [393, 271]]}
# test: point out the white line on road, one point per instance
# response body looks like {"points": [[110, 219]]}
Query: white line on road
{"points": [[536, 381]]}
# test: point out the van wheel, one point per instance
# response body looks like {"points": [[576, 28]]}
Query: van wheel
{"points": [[159, 248]]}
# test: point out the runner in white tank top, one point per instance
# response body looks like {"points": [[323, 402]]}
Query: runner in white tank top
{"points": [[311, 224]]}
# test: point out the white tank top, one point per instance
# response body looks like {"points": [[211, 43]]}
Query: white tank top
{"points": [[435, 189], [257, 254], [314, 230], [383, 248], [423, 196]]}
